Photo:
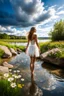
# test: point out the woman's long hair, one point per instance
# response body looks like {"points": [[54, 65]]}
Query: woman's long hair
{"points": [[32, 31]]}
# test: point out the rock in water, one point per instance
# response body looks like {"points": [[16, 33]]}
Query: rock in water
{"points": [[49, 59], [7, 65], [7, 52], [19, 51], [13, 51], [45, 54], [4, 69]]}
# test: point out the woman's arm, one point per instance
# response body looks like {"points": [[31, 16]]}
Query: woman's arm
{"points": [[36, 41], [27, 45]]}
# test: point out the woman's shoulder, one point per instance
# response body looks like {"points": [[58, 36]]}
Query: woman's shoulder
{"points": [[34, 36]]}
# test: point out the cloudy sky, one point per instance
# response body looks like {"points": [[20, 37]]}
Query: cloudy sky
{"points": [[18, 16]]}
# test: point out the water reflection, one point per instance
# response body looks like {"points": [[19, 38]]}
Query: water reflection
{"points": [[56, 71], [49, 84], [31, 89], [48, 80]]}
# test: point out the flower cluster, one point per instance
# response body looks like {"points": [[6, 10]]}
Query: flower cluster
{"points": [[14, 77]]}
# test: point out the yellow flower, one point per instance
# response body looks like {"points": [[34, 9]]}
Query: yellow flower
{"points": [[22, 84], [19, 85]]}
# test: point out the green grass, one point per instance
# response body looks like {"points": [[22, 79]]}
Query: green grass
{"points": [[45, 46], [1, 53], [50, 45], [10, 46], [13, 40], [7, 90]]}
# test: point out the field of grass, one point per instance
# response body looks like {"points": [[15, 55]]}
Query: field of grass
{"points": [[49, 45], [13, 40], [44, 46]]}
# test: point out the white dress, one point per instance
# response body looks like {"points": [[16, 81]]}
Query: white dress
{"points": [[32, 49]]}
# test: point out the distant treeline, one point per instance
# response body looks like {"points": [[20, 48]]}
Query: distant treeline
{"points": [[43, 37], [6, 36]]}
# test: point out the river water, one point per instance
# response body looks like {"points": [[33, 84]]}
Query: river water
{"points": [[48, 79], [24, 44]]}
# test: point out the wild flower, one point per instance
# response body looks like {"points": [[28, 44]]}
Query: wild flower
{"points": [[6, 75], [19, 76], [14, 71], [22, 79], [18, 71], [10, 70], [19, 85], [13, 85], [10, 79], [13, 75]]}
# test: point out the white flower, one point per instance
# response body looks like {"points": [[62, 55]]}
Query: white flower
{"points": [[17, 77], [13, 85], [13, 75], [14, 71], [6, 75], [10, 70], [22, 79], [10, 79], [18, 71]]}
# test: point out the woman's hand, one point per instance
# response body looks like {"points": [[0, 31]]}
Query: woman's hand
{"points": [[26, 50], [39, 50]]}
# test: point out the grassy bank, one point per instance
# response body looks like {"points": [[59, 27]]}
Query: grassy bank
{"points": [[14, 40], [45, 46], [50, 45], [10, 46]]}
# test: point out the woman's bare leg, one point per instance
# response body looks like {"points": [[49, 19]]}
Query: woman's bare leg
{"points": [[32, 64]]}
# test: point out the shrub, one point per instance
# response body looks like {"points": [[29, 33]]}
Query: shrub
{"points": [[58, 31]]}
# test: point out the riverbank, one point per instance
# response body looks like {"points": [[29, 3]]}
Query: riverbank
{"points": [[44, 46], [14, 40]]}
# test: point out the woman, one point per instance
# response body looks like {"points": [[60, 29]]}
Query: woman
{"points": [[32, 48]]}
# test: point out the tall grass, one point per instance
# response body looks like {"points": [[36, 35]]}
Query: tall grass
{"points": [[12, 46], [50, 45]]}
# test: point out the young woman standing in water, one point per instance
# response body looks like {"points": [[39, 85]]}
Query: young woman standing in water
{"points": [[32, 48]]}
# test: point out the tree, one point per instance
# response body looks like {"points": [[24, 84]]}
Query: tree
{"points": [[4, 36], [57, 34]]}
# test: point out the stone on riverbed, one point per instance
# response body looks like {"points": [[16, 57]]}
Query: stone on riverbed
{"points": [[7, 53], [19, 51], [7, 65], [13, 51], [4, 69], [45, 54], [56, 61]]}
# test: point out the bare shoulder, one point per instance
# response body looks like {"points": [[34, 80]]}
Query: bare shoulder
{"points": [[34, 36]]}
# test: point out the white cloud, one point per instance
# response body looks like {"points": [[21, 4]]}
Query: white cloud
{"points": [[31, 12], [60, 12], [61, 7], [12, 31]]}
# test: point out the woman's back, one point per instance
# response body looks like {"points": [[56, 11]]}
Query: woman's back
{"points": [[33, 41]]}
